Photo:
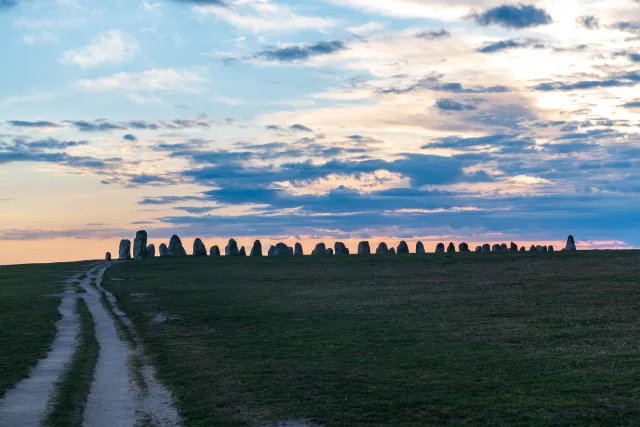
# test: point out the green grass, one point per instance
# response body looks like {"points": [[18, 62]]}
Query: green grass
{"points": [[28, 313], [465, 339], [73, 390]]}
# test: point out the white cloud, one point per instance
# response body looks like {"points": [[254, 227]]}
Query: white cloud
{"points": [[265, 16], [168, 79], [145, 100], [111, 47], [44, 37], [365, 29], [364, 183], [25, 99]]}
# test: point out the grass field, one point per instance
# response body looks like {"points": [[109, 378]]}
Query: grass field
{"points": [[28, 313], [463, 339]]}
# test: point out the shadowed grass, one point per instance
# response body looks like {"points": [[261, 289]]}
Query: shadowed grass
{"points": [[72, 391], [464, 339]]}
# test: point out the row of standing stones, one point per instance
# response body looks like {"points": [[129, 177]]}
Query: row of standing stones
{"points": [[141, 250]]}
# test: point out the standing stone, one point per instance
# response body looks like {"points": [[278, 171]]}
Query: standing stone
{"points": [[243, 252], [124, 252], [486, 248], [478, 248], [257, 249], [513, 247], [164, 250], [504, 248], [545, 248], [364, 248], [533, 248], [440, 248], [463, 247], [231, 249], [451, 249], [571, 245], [175, 246], [329, 252], [392, 251], [495, 248], [420, 249], [382, 249], [151, 251], [199, 249], [403, 248], [290, 251], [341, 249], [272, 250], [321, 249], [281, 250], [523, 249], [140, 245], [214, 251], [538, 248], [107, 256], [551, 249], [298, 250]]}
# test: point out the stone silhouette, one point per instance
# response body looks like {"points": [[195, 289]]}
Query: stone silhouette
{"points": [[164, 250], [321, 249], [513, 247], [107, 256], [232, 249], [403, 248], [257, 249], [272, 250], [198, 248], [214, 251], [151, 251], [440, 248], [364, 248], [140, 245], [551, 249], [463, 247], [504, 248], [290, 250], [486, 248], [175, 246], [532, 248], [523, 249], [124, 252], [281, 250], [329, 251], [478, 248], [341, 249], [243, 252], [392, 251], [451, 249], [495, 248], [382, 249], [571, 245], [420, 249], [298, 250]]}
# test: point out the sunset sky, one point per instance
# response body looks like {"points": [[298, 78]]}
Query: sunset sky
{"points": [[432, 120]]}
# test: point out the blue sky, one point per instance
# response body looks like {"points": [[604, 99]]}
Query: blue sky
{"points": [[451, 120]]}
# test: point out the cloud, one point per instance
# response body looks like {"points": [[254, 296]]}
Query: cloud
{"points": [[98, 126], [301, 52], [628, 26], [589, 21], [447, 104], [513, 16], [130, 137], [110, 47], [509, 44], [301, 128], [168, 79], [434, 35], [632, 104], [435, 84], [622, 79], [37, 124]]}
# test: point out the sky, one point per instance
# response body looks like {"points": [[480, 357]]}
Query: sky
{"points": [[290, 120]]}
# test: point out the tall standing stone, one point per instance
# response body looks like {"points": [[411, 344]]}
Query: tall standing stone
{"points": [[420, 249], [478, 248], [243, 252], [124, 252], [140, 245], [382, 249], [232, 249], [523, 249], [271, 251], [151, 251], [486, 248], [214, 251], [364, 248], [571, 245], [321, 249], [107, 256], [451, 248], [532, 248], [257, 249], [495, 248], [552, 249], [440, 248], [298, 250], [504, 248], [164, 250], [281, 250], [175, 246], [463, 247], [199, 249], [341, 249], [513, 247], [403, 248]]}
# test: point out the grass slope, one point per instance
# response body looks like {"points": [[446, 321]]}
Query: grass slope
{"points": [[73, 390], [28, 313], [465, 339]]}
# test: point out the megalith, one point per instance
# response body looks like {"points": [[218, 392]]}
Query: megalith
{"points": [[451, 248], [495, 248], [403, 248], [298, 250], [257, 249], [533, 248], [199, 249], [232, 249], [164, 250], [243, 252], [364, 248], [214, 251], [478, 248], [571, 245], [107, 256], [486, 248], [551, 248], [523, 249], [513, 247], [321, 249], [281, 250], [151, 251], [271, 251], [175, 246], [545, 248], [341, 249], [504, 248], [382, 249], [440, 248], [124, 252], [392, 251], [420, 249], [538, 248], [330, 251], [140, 245], [463, 247]]}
